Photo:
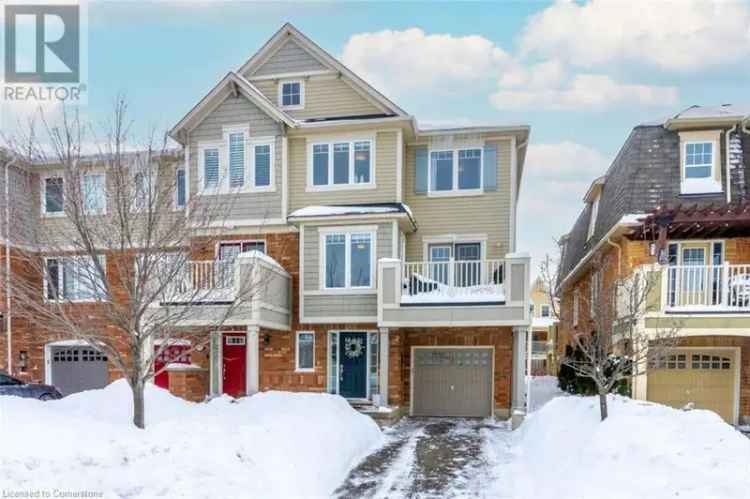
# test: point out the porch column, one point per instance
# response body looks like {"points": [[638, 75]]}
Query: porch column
{"points": [[518, 397], [253, 360], [383, 368]]}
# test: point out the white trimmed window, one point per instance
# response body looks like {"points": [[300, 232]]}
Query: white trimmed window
{"points": [[305, 351], [93, 192], [180, 200], [576, 304], [240, 164], [699, 168], [455, 171], [545, 310], [348, 258], [292, 94], [53, 196], [74, 278], [144, 188], [341, 164]]}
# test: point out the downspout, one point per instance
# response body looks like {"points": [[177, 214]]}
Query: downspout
{"points": [[726, 163], [619, 255], [8, 324]]}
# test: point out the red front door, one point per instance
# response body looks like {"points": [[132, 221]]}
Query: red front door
{"points": [[173, 354], [234, 364]]}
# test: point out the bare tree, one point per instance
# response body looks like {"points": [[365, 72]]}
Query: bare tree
{"points": [[115, 271], [611, 341]]}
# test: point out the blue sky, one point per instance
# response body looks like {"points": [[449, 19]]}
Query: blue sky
{"points": [[581, 74]]}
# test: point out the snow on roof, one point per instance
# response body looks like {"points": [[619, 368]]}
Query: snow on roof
{"points": [[721, 111], [328, 211]]}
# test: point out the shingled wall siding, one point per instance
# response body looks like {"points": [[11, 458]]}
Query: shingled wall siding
{"points": [[644, 175]]}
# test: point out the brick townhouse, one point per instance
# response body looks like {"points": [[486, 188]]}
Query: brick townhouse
{"points": [[674, 205], [393, 275]]}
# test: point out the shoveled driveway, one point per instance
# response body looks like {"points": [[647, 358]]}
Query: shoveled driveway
{"points": [[426, 458]]}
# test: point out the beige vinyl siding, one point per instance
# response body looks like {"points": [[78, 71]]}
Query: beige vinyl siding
{"points": [[488, 213], [23, 209], [334, 305], [384, 174], [289, 58], [239, 111], [325, 96]]}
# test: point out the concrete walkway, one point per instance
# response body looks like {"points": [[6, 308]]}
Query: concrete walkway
{"points": [[426, 458]]}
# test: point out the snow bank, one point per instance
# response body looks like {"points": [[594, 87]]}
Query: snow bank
{"points": [[643, 450], [273, 444]]}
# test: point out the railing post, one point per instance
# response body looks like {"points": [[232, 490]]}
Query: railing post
{"points": [[725, 284], [451, 272]]}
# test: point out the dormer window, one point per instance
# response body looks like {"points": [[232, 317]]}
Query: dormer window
{"points": [[292, 94], [699, 168], [592, 218]]}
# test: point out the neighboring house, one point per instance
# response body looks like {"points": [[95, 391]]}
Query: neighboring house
{"points": [[543, 331], [392, 249], [674, 204]]}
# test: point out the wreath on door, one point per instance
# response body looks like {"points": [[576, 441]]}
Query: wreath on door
{"points": [[353, 347]]}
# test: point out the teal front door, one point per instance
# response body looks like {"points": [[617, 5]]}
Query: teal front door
{"points": [[353, 365]]}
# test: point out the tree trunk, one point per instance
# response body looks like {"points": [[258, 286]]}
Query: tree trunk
{"points": [[603, 404], [139, 413]]}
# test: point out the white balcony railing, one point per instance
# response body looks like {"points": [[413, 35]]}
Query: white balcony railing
{"points": [[708, 287], [206, 275], [452, 281]]}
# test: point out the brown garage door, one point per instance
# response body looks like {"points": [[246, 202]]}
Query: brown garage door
{"points": [[703, 378], [452, 382]]}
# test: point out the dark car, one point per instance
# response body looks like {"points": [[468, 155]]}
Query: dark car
{"points": [[12, 386]]}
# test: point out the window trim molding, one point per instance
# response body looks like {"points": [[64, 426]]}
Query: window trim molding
{"points": [[541, 310], [453, 239], [45, 284], [297, 367], [218, 244], [322, 258], [280, 93], [94, 172], [330, 141], [43, 200], [252, 186], [202, 189], [593, 215], [685, 181], [176, 204], [455, 191]]}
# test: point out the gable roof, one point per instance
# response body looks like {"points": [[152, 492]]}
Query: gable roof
{"points": [[236, 84], [287, 32]]}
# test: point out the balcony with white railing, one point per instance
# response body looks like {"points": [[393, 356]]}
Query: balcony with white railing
{"points": [[453, 292], [452, 282], [540, 348], [706, 288], [251, 289]]}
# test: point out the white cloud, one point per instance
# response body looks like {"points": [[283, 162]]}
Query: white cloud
{"points": [[399, 61], [555, 179], [685, 35], [583, 92]]}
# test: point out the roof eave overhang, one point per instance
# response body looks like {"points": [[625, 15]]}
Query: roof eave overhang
{"points": [[203, 107], [685, 123], [618, 230], [405, 221]]}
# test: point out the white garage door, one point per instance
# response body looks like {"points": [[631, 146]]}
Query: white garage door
{"points": [[75, 369]]}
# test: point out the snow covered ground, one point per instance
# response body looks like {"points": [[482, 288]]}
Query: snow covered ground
{"points": [[643, 450], [273, 444]]}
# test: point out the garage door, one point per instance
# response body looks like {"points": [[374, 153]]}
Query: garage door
{"points": [[75, 369], [452, 382], [704, 378]]}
